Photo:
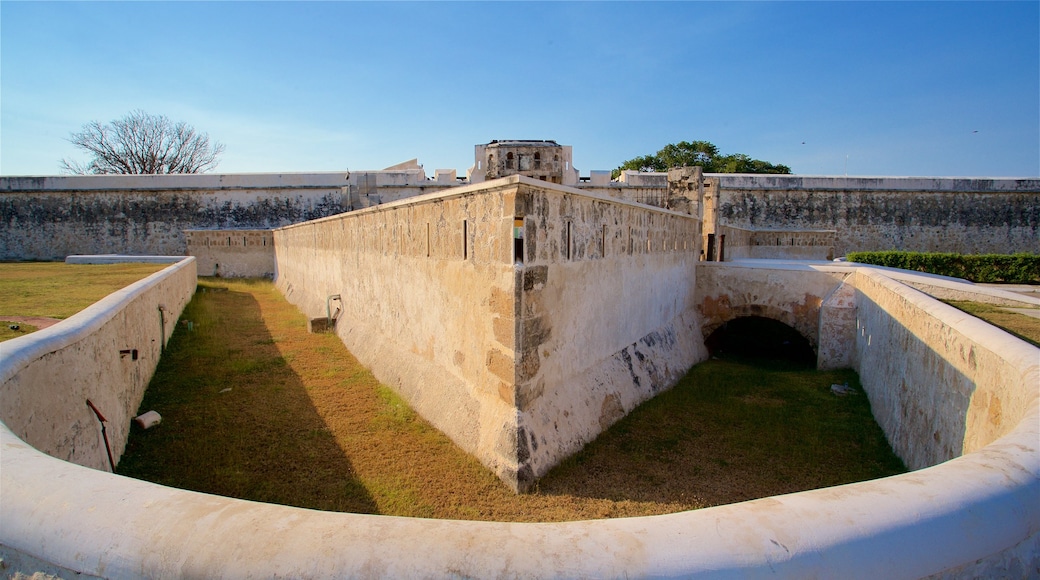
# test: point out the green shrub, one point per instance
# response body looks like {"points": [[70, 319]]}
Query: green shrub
{"points": [[990, 268]]}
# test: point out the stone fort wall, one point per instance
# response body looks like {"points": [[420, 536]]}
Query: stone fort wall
{"points": [[46, 218], [972, 216], [522, 318], [974, 516]]}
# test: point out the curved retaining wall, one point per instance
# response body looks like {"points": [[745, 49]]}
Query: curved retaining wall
{"points": [[975, 515], [106, 353]]}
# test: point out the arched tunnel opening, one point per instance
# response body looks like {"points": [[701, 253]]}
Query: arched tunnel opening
{"points": [[761, 339]]}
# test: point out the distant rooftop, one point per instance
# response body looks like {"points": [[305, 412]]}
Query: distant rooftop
{"points": [[526, 142]]}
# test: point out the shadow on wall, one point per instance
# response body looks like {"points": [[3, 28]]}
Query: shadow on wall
{"points": [[760, 338], [237, 419]]}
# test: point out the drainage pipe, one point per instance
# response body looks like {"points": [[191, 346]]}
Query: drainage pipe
{"points": [[104, 435], [328, 308], [162, 329]]}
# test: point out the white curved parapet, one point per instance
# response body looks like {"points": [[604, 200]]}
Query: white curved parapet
{"points": [[976, 515]]}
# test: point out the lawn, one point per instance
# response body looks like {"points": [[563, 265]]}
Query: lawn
{"points": [[255, 407], [58, 290], [1025, 327]]}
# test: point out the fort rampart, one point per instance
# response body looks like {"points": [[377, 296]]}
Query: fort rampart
{"points": [[521, 319], [46, 218], [106, 353], [971, 216]]}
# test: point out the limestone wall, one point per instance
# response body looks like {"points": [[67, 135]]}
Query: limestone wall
{"points": [[232, 253], [48, 218], [975, 516], [941, 382], [890, 213], [51, 217], [792, 294], [521, 349], [426, 291], [740, 243], [606, 315], [656, 196], [106, 353]]}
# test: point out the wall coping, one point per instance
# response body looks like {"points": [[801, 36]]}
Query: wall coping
{"points": [[499, 184], [120, 259], [323, 180], [737, 181]]}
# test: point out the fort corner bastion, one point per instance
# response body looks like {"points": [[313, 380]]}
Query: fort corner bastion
{"points": [[522, 317]]}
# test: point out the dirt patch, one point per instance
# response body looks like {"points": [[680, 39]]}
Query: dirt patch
{"points": [[40, 322]]}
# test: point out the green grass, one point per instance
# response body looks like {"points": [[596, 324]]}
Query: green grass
{"points": [[734, 430], [1025, 327], [305, 424], [59, 290], [7, 333]]}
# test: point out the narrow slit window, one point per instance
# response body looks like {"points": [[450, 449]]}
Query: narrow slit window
{"points": [[603, 242], [427, 239], [465, 240], [518, 240], [568, 240]]}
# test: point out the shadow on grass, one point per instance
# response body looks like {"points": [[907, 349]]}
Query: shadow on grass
{"points": [[237, 420]]}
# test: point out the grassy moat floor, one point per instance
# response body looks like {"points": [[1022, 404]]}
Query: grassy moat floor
{"points": [[255, 407]]}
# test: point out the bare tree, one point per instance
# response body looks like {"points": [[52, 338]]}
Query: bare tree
{"points": [[140, 143]]}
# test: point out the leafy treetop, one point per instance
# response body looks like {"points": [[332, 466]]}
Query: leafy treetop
{"points": [[702, 153]]}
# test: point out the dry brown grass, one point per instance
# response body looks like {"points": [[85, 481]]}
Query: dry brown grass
{"points": [[255, 407]]}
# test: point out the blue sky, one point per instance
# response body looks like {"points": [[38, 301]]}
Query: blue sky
{"points": [[886, 88]]}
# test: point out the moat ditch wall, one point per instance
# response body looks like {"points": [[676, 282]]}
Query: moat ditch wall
{"points": [[520, 318], [969, 516]]}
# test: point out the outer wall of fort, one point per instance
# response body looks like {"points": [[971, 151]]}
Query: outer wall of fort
{"points": [[48, 218]]}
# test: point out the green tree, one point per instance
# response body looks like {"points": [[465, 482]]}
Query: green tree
{"points": [[703, 153]]}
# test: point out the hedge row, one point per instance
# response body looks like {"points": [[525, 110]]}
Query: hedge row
{"points": [[989, 268]]}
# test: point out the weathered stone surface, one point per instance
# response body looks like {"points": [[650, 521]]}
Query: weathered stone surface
{"points": [[500, 346], [930, 215]]}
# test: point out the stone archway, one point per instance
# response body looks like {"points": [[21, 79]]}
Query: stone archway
{"points": [[759, 337], [720, 310]]}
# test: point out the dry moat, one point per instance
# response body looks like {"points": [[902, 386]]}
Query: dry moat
{"points": [[256, 408]]}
